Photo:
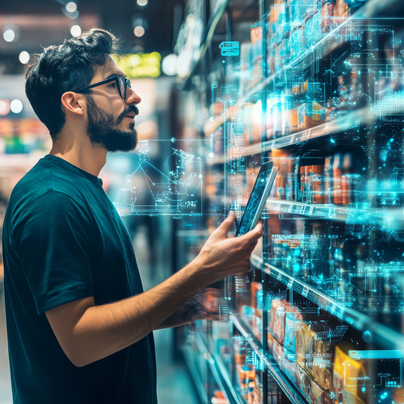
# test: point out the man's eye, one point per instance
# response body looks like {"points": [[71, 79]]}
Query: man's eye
{"points": [[113, 84]]}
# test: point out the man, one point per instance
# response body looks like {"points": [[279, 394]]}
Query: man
{"points": [[79, 324]]}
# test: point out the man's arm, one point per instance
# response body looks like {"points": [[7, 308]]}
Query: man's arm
{"points": [[87, 332]]}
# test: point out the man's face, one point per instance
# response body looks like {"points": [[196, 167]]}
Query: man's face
{"points": [[109, 125]]}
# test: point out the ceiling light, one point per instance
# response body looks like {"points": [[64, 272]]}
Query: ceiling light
{"points": [[9, 35], [24, 57], [16, 106], [139, 31], [142, 3], [170, 65], [71, 7], [75, 30]]}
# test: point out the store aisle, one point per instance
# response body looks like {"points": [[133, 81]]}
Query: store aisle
{"points": [[173, 382]]}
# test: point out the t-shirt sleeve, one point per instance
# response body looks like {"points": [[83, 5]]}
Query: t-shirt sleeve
{"points": [[52, 238]]}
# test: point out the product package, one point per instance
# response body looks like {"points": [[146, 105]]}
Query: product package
{"points": [[323, 360], [311, 114], [302, 335], [246, 375], [258, 389], [293, 322], [347, 377], [289, 369], [279, 309], [278, 354], [303, 382]]}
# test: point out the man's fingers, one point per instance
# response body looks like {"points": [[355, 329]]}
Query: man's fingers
{"points": [[226, 225], [253, 235]]}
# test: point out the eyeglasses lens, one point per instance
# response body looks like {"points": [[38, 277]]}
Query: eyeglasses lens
{"points": [[122, 87]]}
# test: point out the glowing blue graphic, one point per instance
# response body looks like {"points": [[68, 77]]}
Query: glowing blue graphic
{"points": [[177, 190], [230, 48]]}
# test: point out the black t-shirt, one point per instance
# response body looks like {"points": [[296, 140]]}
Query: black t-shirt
{"points": [[63, 240]]}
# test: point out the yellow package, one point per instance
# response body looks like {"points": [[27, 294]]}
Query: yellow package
{"points": [[347, 377]]}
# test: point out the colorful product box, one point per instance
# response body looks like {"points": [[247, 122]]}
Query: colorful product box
{"points": [[311, 114], [347, 377], [293, 323]]}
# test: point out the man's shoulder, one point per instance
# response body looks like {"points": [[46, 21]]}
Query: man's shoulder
{"points": [[43, 182]]}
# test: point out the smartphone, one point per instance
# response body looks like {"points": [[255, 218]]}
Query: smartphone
{"points": [[258, 197], [255, 206]]}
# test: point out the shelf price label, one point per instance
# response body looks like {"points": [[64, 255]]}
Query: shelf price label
{"points": [[305, 291]]}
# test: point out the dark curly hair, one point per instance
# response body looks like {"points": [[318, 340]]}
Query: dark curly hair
{"points": [[62, 68]]}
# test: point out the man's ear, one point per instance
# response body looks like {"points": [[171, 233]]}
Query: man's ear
{"points": [[73, 102]]}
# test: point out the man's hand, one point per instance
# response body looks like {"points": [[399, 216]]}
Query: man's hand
{"points": [[222, 256]]}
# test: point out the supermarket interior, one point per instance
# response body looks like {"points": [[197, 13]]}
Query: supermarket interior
{"points": [[314, 87]]}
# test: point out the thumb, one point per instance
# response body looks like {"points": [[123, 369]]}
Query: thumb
{"points": [[253, 235], [226, 225]]}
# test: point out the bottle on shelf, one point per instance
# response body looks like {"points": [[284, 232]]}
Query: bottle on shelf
{"points": [[328, 179], [336, 175]]}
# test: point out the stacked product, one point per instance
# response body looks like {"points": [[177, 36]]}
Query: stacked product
{"points": [[295, 26], [306, 348]]}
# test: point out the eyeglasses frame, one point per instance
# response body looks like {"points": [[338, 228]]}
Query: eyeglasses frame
{"points": [[108, 80]]}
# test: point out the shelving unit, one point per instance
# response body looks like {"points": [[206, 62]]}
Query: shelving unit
{"points": [[350, 126], [272, 367], [386, 337], [327, 44]]}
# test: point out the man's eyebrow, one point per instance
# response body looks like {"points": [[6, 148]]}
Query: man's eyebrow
{"points": [[114, 74]]}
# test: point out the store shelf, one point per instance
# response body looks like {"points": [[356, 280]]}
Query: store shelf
{"points": [[210, 30], [381, 217], [348, 122], [273, 368], [381, 334], [219, 372], [326, 45], [226, 377]]}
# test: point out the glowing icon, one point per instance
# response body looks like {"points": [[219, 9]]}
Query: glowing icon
{"points": [[230, 48]]}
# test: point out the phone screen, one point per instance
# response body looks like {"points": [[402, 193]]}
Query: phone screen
{"points": [[253, 203]]}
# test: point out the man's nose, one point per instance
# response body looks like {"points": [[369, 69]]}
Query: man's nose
{"points": [[132, 97]]}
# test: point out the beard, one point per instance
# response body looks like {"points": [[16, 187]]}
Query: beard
{"points": [[103, 129]]}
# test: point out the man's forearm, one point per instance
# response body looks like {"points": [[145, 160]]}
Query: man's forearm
{"points": [[106, 329]]}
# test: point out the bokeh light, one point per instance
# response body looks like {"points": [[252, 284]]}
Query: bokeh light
{"points": [[139, 31], [24, 57]]}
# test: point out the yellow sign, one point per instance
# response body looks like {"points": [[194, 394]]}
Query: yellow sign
{"points": [[140, 64]]}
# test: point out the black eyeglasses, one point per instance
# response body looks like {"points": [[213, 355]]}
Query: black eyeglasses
{"points": [[121, 82]]}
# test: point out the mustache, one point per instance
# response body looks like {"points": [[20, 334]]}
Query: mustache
{"points": [[132, 108]]}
